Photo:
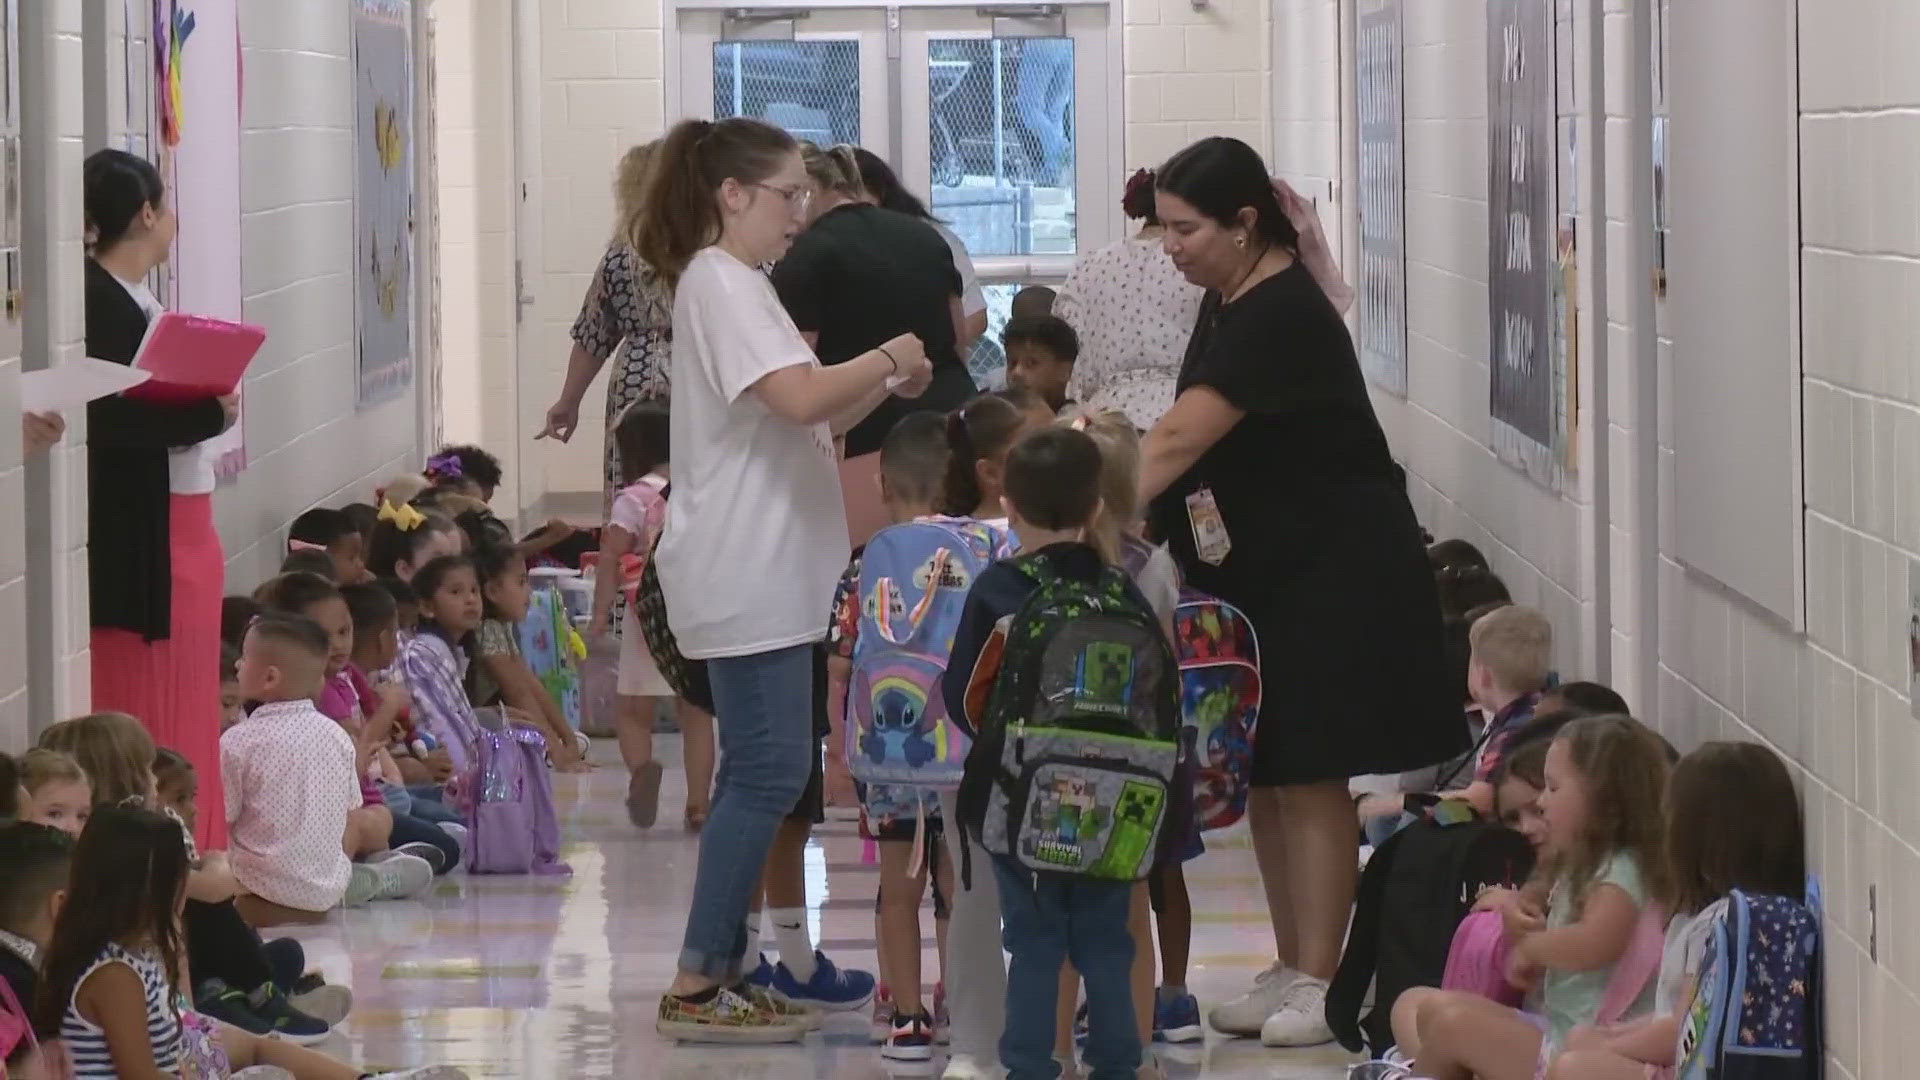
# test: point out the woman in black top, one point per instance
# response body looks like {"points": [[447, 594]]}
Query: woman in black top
{"points": [[153, 559], [1271, 479], [858, 277]]}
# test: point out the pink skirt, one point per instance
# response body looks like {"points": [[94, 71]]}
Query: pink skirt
{"points": [[173, 686]]}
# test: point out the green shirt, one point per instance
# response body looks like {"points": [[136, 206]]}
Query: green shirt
{"points": [[1568, 998]]}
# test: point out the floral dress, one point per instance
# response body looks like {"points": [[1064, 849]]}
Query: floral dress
{"points": [[627, 307], [1133, 312]]}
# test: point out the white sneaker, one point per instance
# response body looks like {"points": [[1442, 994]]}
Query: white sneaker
{"points": [[1301, 1019], [967, 1067], [1245, 1014], [362, 883], [402, 877]]}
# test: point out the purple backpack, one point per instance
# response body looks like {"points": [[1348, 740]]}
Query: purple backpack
{"points": [[508, 802]]}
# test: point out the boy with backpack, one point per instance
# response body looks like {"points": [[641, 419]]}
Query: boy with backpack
{"points": [[894, 618], [1071, 687]]}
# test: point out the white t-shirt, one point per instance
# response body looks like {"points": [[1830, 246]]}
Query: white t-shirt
{"points": [[973, 300], [757, 534], [189, 468], [1680, 958]]}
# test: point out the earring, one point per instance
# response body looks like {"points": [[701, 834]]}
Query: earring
{"points": [[1240, 241]]}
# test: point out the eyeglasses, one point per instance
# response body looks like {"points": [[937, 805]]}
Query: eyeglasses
{"points": [[798, 198]]}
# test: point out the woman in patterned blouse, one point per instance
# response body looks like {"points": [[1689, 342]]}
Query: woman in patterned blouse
{"points": [[626, 307]]}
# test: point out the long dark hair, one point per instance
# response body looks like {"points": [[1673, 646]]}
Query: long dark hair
{"points": [[1220, 177], [982, 428], [644, 438], [129, 873], [390, 545], [1733, 822], [118, 186], [682, 215], [884, 185]]}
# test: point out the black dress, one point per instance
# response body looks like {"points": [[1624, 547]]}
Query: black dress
{"points": [[1326, 557]]}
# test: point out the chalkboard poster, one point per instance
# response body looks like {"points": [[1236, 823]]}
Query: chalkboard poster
{"points": [[1383, 196], [1520, 177]]}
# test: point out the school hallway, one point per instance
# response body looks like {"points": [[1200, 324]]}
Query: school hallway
{"points": [[536, 978]]}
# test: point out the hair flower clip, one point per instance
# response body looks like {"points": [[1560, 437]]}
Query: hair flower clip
{"points": [[445, 467]]}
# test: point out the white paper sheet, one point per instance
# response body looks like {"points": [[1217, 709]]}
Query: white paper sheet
{"points": [[74, 383]]}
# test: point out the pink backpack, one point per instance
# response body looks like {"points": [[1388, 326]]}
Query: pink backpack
{"points": [[1477, 962], [44, 1061]]}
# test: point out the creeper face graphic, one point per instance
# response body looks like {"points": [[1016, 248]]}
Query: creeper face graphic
{"points": [[1106, 677]]}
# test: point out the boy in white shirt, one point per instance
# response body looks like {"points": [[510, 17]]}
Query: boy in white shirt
{"points": [[292, 795]]}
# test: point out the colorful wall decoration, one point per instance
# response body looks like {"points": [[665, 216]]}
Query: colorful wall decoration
{"points": [[383, 196]]}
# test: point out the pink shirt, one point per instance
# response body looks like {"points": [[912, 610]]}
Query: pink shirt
{"points": [[348, 700], [289, 779]]}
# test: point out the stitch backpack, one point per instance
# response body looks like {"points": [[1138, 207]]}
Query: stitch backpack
{"points": [[1081, 737], [914, 580], [1756, 1008], [1219, 654], [507, 801]]}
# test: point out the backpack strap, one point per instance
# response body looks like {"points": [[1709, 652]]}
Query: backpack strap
{"points": [[884, 591], [1636, 966], [11, 1005]]}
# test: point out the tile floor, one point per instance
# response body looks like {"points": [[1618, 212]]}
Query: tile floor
{"points": [[544, 978]]}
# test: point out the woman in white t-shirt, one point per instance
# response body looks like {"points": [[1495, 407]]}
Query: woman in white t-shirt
{"points": [[756, 537]]}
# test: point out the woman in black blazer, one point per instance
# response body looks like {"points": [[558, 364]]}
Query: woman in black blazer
{"points": [[154, 560]]}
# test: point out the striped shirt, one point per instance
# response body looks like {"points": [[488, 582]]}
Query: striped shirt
{"points": [[434, 672], [86, 1043]]}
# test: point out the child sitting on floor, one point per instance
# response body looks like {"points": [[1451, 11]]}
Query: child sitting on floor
{"points": [[1733, 822], [405, 539], [1606, 783], [294, 803], [58, 794], [348, 700], [1512, 655], [376, 648], [333, 534], [500, 675]]}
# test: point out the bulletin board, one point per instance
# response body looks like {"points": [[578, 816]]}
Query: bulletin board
{"points": [[383, 136]]}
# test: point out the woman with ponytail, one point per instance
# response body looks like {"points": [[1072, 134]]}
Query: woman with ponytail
{"points": [[754, 547], [153, 559]]}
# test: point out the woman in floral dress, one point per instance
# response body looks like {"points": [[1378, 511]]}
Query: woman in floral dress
{"points": [[627, 309]]}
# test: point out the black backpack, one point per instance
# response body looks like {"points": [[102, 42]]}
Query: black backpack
{"points": [[1416, 889], [687, 677]]}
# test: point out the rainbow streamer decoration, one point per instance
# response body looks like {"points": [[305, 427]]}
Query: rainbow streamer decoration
{"points": [[172, 24]]}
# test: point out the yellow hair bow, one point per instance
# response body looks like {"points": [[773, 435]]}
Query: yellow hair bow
{"points": [[404, 518]]}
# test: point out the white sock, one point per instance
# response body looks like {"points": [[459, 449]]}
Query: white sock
{"points": [[752, 956], [796, 946]]}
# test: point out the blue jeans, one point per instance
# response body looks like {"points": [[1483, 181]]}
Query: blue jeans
{"points": [[408, 829], [1043, 89], [763, 706], [424, 802], [1048, 919]]}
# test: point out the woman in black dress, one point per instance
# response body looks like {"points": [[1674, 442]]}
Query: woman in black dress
{"points": [[1271, 480]]}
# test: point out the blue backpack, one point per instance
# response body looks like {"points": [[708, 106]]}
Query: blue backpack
{"points": [[1756, 1008], [914, 580]]}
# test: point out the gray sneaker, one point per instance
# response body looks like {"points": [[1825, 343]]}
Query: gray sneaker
{"points": [[402, 877], [1246, 1014], [362, 884]]}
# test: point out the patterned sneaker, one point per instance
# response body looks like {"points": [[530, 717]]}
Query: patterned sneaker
{"points": [[942, 1023], [830, 988], [1178, 1020], [726, 1017], [420, 849], [910, 1040], [810, 1019]]}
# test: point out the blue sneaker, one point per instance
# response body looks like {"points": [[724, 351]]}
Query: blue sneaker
{"points": [[762, 976], [830, 988], [1178, 1021]]}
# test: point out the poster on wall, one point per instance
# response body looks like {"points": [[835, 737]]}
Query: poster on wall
{"points": [[1522, 236], [1379, 76], [383, 196], [196, 66]]}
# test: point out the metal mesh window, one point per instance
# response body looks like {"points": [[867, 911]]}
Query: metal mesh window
{"points": [[810, 88], [1000, 142]]}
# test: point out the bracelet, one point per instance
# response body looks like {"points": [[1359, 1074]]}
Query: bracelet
{"points": [[882, 350]]}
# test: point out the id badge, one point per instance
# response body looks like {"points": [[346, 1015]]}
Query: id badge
{"points": [[1210, 539]]}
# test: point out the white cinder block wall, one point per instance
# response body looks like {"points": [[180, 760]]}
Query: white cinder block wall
{"points": [[307, 444], [1833, 701], [1193, 72]]}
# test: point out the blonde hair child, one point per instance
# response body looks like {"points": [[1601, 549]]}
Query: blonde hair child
{"points": [[1604, 807], [58, 794]]}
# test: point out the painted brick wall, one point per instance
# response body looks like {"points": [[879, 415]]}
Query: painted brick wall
{"points": [[1835, 700], [1194, 72], [306, 442]]}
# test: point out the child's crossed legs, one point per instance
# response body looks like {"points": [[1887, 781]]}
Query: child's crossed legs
{"points": [[1452, 1035]]}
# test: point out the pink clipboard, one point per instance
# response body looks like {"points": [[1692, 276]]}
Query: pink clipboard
{"points": [[194, 357]]}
